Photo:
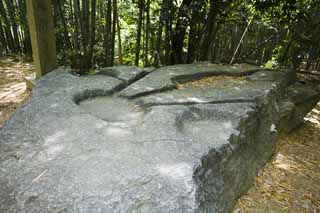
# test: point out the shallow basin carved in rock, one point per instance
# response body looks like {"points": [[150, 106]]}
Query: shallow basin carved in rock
{"points": [[113, 109]]}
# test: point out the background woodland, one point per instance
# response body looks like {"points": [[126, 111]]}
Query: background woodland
{"points": [[96, 33]]}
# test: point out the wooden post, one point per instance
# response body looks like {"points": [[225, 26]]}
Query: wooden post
{"points": [[42, 36]]}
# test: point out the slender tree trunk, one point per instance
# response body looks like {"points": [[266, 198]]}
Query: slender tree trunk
{"points": [[197, 18], [68, 45], [157, 54], [7, 29], [114, 27], [12, 16], [209, 29], [152, 43], [286, 52], [318, 65], [211, 26], [192, 42], [180, 31], [85, 24], [213, 38], [77, 25], [312, 56], [168, 33], [92, 31], [3, 40], [240, 42], [139, 29], [23, 16], [108, 34], [147, 31], [117, 24]]}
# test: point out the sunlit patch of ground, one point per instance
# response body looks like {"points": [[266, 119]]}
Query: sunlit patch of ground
{"points": [[13, 90], [219, 81], [291, 181]]}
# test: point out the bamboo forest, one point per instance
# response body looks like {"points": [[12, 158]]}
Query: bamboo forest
{"points": [[94, 33]]}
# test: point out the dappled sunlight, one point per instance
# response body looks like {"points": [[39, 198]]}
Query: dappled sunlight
{"points": [[197, 100], [314, 116], [180, 173], [13, 89], [291, 180], [117, 132], [12, 93], [175, 171], [55, 137], [13, 70], [283, 162], [217, 81]]}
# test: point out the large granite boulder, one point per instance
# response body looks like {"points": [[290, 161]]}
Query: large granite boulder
{"points": [[184, 138]]}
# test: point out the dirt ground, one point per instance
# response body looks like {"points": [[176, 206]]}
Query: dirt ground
{"points": [[290, 182], [13, 91]]}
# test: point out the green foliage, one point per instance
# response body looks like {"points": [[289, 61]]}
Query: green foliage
{"points": [[282, 32]]}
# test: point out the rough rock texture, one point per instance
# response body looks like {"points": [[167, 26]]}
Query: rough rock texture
{"points": [[166, 78], [114, 143], [124, 73], [297, 103]]}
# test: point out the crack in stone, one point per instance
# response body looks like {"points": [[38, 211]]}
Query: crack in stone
{"points": [[182, 79], [139, 77], [129, 82], [89, 94], [152, 92], [189, 103]]}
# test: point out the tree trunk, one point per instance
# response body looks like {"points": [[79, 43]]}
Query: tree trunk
{"points": [[139, 29], [286, 52], [194, 34], [3, 40], [209, 29], [157, 53], [108, 44], [116, 17], [68, 45], [114, 27], [211, 26], [92, 32], [85, 24], [168, 32], [152, 43], [27, 49], [7, 29], [12, 16], [180, 31], [77, 27], [147, 31]]}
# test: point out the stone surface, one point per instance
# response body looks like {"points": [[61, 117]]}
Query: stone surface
{"points": [[167, 77], [111, 143], [300, 99], [124, 73]]}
